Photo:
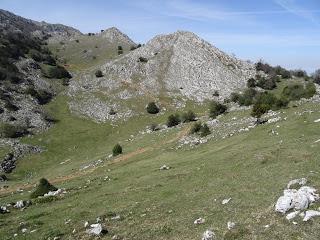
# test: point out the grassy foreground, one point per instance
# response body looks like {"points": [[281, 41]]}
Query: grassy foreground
{"points": [[252, 168]]}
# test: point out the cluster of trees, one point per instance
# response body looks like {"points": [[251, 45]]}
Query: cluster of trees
{"points": [[268, 69]]}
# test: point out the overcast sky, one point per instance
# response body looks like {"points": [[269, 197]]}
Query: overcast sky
{"points": [[285, 32]]}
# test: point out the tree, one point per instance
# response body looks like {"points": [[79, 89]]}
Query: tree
{"points": [[98, 73], [152, 108], [43, 187], [216, 109], [259, 109], [173, 120], [117, 150]]}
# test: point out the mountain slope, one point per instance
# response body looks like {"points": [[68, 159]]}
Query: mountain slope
{"points": [[170, 69]]}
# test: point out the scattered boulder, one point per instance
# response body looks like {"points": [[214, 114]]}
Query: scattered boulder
{"points": [[317, 120], [230, 225], [225, 201], [208, 235], [292, 215], [55, 193], [3, 209], [19, 204], [299, 181], [296, 199], [310, 214], [96, 229], [199, 221], [164, 167]]}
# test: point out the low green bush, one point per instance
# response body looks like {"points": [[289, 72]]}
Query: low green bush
{"points": [[216, 109], [173, 120], [12, 131], [98, 73], [189, 116]]}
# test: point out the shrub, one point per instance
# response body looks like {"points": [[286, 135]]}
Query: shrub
{"points": [[216, 93], [42, 96], [173, 120], [216, 109], [188, 116], [204, 130], [234, 97], [120, 50], [299, 73], [98, 73], [117, 150], [43, 187], [152, 108], [251, 83], [297, 91], [267, 83], [195, 128], [316, 80], [10, 106], [58, 72], [247, 98], [12, 131], [259, 109], [143, 60]]}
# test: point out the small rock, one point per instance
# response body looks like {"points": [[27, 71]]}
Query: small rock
{"points": [[208, 235], [225, 201], [86, 224], [67, 221], [19, 204], [96, 229], [231, 225], [164, 167], [317, 120], [74, 231], [199, 221], [115, 218], [292, 215], [24, 230]]}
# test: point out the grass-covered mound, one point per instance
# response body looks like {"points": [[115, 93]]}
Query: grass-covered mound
{"points": [[43, 188]]}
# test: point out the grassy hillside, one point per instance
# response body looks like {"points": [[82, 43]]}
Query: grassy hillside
{"points": [[252, 168]]}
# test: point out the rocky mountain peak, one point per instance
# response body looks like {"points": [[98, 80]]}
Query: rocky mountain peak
{"points": [[114, 35]]}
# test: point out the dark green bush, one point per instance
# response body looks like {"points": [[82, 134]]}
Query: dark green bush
{"points": [[259, 109], [173, 120], [216, 109], [58, 72], [42, 96], [143, 60], [204, 131], [247, 98], [188, 116], [12, 131], [267, 83], [251, 83], [152, 108], [120, 50], [195, 128], [117, 150], [98, 73], [43, 187], [298, 91]]}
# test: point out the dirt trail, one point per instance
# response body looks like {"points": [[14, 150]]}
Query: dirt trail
{"points": [[123, 157]]}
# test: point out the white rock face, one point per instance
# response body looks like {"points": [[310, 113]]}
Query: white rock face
{"points": [[208, 235], [114, 35], [296, 199], [182, 63]]}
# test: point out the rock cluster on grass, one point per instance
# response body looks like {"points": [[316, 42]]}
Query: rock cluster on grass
{"points": [[18, 150], [298, 200], [208, 235]]}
